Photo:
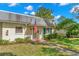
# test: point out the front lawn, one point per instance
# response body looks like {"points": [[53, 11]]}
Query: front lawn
{"points": [[29, 50], [71, 43]]}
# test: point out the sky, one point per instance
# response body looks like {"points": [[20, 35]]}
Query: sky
{"points": [[58, 9]]}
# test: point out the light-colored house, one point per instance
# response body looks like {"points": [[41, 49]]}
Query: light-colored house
{"points": [[14, 25]]}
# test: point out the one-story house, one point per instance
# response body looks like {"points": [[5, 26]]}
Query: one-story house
{"points": [[15, 25]]}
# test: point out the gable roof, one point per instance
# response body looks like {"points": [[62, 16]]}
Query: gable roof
{"points": [[6, 16], [49, 22]]}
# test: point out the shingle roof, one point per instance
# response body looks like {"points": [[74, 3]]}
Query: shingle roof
{"points": [[6, 16], [49, 22]]}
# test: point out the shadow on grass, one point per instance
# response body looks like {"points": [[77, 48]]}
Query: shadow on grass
{"points": [[7, 54], [50, 51], [53, 52]]}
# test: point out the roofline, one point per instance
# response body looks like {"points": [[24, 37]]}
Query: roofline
{"points": [[13, 22], [19, 14]]}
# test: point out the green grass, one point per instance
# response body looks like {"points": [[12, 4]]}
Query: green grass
{"points": [[71, 43], [29, 50]]}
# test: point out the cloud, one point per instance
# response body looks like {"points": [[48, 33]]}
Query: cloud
{"points": [[63, 4], [57, 17], [12, 4], [29, 7], [52, 14], [25, 12], [32, 13], [75, 9]]}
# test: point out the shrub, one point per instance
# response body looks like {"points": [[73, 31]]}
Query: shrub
{"points": [[53, 36], [0, 41], [50, 36], [19, 40], [27, 40], [23, 40], [4, 42]]}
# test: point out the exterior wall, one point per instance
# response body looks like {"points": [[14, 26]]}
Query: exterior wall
{"points": [[4, 16], [0, 30], [52, 30], [11, 27], [11, 31], [29, 32], [40, 32]]}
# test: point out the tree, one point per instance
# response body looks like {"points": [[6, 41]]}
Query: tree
{"points": [[44, 13], [65, 23], [69, 25]]}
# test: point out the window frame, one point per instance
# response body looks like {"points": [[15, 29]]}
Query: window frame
{"points": [[7, 32], [18, 30]]}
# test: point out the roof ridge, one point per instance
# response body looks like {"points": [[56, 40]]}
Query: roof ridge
{"points": [[19, 14]]}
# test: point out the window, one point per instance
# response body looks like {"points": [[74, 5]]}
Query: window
{"points": [[6, 32], [19, 30], [49, 30]]}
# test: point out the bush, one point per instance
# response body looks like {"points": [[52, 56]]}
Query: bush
{"points": [[23, 40], [27, 40], [4, 42], [50, 36], [19, 40], [53, 36]]}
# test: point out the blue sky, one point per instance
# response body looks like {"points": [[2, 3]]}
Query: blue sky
{"points": [[59, 9]]}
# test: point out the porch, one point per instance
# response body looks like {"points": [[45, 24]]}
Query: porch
{"points": [[40, 32]]}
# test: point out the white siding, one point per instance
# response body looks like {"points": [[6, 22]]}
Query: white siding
{"points": [[25, 19], [12, 17], [4, 16], [0, 30], [11, 30]]}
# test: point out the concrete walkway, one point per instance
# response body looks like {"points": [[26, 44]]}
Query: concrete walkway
{"points": [[61, 49]]}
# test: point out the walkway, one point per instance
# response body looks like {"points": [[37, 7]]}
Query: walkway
{"points": [[61, 49]]}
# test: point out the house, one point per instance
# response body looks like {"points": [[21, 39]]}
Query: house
{"points": [[15, 25]]}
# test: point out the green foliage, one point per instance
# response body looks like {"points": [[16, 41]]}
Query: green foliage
{"points": [[23, 40], [71, 27], [65, 23], [53, 36], [50, 36], [19, 40], [4, 42], [44, 13], [27, 40]]}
